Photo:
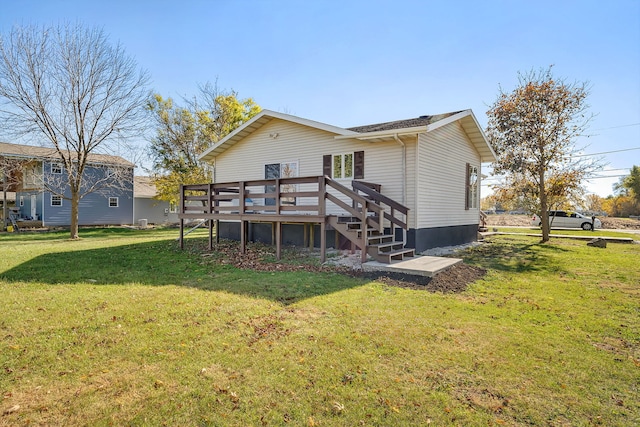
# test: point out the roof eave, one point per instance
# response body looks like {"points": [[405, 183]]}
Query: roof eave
{"points": [[264, 117], [385, 134]]}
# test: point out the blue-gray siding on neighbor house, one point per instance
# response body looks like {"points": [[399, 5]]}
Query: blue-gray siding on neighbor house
{"points": [[94, 208], [154, 211], [28, 207]]}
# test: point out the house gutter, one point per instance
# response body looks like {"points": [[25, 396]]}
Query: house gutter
{"points": [[404, 167]]}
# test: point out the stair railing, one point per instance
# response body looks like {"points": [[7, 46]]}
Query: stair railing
{"points": [[368, 213], [373, 193]]}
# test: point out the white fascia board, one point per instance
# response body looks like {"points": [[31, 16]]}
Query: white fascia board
{"points": [[311, 123], [493, 153], [450, 119], [232, 134], [390, 133]]}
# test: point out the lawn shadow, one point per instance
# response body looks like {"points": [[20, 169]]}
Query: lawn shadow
{"points": [[513, 255], [162, 263]]}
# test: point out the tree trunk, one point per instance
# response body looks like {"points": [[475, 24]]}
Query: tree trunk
{"points": [[544, 210], [4, 201], [75, 202]]}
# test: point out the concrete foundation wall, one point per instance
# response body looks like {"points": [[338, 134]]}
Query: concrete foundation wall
{"points": [[293, 235], [428, 238]]}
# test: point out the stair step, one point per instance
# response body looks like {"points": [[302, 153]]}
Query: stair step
{"points": [[379, 237], [382, 246], [397, 255]]}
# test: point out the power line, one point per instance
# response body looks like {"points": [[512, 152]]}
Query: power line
{"points": [[605, 152], [617, 127]]}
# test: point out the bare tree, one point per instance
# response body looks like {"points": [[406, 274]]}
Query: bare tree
{"points": [[10, 174], [68, 87]]}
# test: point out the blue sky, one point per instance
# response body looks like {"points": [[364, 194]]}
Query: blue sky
{"points": [[351, 63]]}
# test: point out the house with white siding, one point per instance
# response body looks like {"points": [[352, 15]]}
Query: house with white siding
{"points": [[430, 165]]}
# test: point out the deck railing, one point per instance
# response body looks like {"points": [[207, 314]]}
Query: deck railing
{"points": [[302, 200]]}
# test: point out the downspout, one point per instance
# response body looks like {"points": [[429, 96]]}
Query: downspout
{"points": [[404, 168], [404, 182]]}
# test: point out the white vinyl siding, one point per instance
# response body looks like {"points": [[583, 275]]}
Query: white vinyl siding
{"points": [[307, 146], [442, 178]]}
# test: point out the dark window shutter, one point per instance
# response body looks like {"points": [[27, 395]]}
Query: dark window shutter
{"points": [[466, 188], [326, 165], [358, 165]]}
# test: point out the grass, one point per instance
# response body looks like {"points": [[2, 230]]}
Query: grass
{"points": [[122, 328], [566, 232]]}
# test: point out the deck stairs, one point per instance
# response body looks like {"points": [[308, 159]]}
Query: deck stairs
{"points": [[13, 218], [381, 247]]}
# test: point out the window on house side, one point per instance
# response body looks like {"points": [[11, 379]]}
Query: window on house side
{"points": [[472, 187], [56, 168], [21, 200], [113, 202], [56, 201]]}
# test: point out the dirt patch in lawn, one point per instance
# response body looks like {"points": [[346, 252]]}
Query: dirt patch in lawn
{"points": [[259, 257], [455, 279]]}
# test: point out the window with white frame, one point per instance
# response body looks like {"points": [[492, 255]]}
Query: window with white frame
{"points": [[113, 202], [56, 200], [56, 168], [342, 166], [472, 187], [281, 170]]}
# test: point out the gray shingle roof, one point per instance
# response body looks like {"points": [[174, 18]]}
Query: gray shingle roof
{"points": [[402, 124], [32, 151], [143, 187]]}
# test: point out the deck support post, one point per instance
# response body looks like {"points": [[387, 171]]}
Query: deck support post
{"points": [[278, 240], [181, 207], [181, 233], [210, 234], [217, 231], [243, 237], [311, 235], [323, 241]]}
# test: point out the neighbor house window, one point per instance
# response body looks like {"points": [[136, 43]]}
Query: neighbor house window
{"points": [[113, 202], [56, 201], [56, 168], [472, 187], [21, 201]]}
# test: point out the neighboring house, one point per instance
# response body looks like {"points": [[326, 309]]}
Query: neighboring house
{"points": [[429, 164], [146, 207], [110, 204]]}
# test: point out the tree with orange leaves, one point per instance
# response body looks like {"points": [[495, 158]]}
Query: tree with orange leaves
{"points": [[533, 130]]}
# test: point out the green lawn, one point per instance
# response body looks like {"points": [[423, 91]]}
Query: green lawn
{"points": [[566, 232], [123, 328]]}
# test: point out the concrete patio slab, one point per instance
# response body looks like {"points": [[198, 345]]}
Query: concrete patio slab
{"points": [[417, 266]]}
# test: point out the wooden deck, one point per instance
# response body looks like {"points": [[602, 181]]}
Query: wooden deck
{"points": [[361, 213]]}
